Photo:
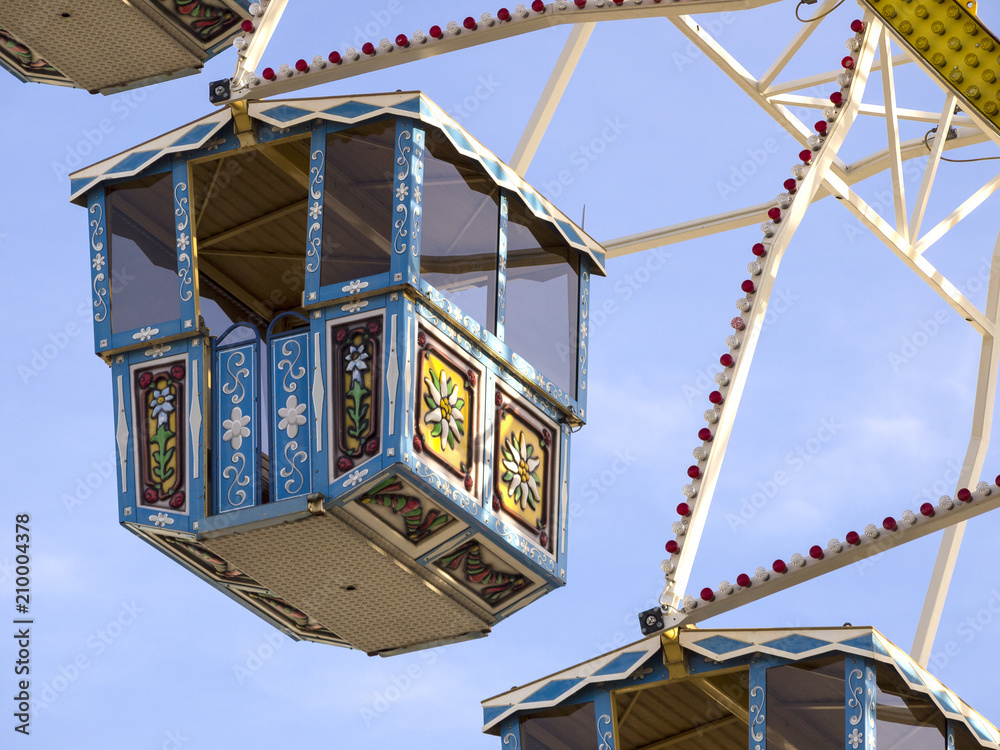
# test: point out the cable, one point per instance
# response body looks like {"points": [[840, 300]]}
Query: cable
{"points": [[955, 161], [814, 18]]}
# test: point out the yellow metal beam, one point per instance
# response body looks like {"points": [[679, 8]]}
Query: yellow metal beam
{"points": [[955, 46]]}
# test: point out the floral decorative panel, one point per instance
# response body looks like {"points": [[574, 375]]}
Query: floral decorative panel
{"points": [[291, 616], [237, 425], [290, 463], [207, 561], [446, 401], [412, 515], [356, 371], [160, 443], [483, 573], [524, 463]]}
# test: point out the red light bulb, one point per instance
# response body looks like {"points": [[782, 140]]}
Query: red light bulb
{"points": [[927, 509], [268, 74], [683, 509], [335, 57], [816, 552], [889, 524], [435, 32], [715, 397], [301, 65], [672, 547], [853, 538], [402, 41], [759, 250], [707, 594], [779, 566], [694, 472], [469, 23], [503, 14], [791, 185], [705, 435], [726, 360], [743, 581], [247, 26], [748, 287], [964, 495]]}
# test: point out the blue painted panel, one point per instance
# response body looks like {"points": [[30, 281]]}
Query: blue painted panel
{"points": [[195, 134], [284, 113], [570, 232], [343, 291], [863, 642], [100, 270], [351, 110], [319, 395], [124, 439], [945, 700], [314, 237], [491, 712], [552, 690], [494, 168], [133, 162], [407, 201], [291, 416], [621, 663], [414, 105], [399, 329], [979, 728], [145, 335], [907, 668], [510, 734], [185, 246], [603, 712], [859, 703], [796, 644], [758, 712], [459, 139], [720, 644], [236, 389]]}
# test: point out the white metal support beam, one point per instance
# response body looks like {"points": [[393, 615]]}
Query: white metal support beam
{"points": [[943, 126], [551, 95], [821, 166], [794, 46], [892, 131], [982, 425], [917, 263]]}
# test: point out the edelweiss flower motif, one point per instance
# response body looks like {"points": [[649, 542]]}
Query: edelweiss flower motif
{"points": [[855, 738], [356, 357], [158, 350], [353, 287], [162, 405], [522, 482], [355, 477], [583, 331], [236, 428], [315, 210], [145, 334], [291, 416], [161, 519], [98, 262], [416, 194], [183, 241], [446, 409], [402, 191]]}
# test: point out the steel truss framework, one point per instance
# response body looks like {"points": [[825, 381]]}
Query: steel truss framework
{"points": [[903, 232]]}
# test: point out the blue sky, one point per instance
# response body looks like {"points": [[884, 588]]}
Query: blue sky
{"points": [[861, 392]]}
